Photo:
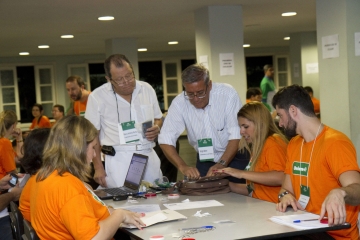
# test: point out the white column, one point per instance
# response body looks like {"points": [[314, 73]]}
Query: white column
{"points": [[219, 29]]}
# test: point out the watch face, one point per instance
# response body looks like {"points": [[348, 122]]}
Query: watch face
{"points": [[222, 162]]}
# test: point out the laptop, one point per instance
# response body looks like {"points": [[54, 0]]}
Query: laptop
{"points": [[132, 182]]}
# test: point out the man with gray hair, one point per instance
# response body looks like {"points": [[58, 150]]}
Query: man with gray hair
{"points": [[267, 86], [207, 111]]}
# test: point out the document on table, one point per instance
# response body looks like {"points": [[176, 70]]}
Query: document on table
{"points": [[157, 217], [145, 208], [288, 220], [191, 205]]}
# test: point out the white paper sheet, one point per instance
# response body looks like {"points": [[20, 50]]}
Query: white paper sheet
{"points": [[145, 208], [191, 205], [288, 220]]}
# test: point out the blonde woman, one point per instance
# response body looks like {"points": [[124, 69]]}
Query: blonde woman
{"points": [[61, 204], [267, 146]]}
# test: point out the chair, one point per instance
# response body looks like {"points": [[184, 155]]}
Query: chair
{"points": [[16, 221], [29, 232]]}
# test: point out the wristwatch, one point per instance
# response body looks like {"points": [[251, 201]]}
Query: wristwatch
{"points": [[282, 194], [222, 162]]}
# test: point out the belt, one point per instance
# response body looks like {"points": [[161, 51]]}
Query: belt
{"points": [[134, 147]]}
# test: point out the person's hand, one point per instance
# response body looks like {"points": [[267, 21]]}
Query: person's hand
{"points": [[152, 133], [334, 205], [133, 218], [4, 182], [288, 200], [230, 171], [99, 177], [16, 192], [215, 170], [190, 172]]}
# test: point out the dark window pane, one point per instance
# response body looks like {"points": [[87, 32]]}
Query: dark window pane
{"points": [[27, 93]]}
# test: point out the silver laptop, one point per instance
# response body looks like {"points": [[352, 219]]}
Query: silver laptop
{"points": [[132, 182]]}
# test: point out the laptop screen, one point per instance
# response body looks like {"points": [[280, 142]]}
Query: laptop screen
{"points": [[136, 171]]}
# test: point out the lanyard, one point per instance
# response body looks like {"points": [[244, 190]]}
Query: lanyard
{"points": [[312, 149], [117, 107]]}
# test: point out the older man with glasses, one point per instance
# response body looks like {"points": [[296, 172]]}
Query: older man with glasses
{"points": [[119, 109], [208, 113]]}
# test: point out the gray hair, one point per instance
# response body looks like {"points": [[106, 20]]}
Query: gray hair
{"points": [[195, 73], [267, 66]]}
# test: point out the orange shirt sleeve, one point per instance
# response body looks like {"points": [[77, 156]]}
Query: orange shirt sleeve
{"points": [[44, 122], [7, 157], [24, 201]]}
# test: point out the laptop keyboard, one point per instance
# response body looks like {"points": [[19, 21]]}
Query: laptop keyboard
{"points": [[117, 191]]}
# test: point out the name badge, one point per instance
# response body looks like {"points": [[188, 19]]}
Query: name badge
{"points": [[82, 114], [304, 196], [128, 133], [206, 150]]}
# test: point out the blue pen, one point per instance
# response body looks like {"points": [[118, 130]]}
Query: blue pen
{"points": [[206, 227], [306, 220]]}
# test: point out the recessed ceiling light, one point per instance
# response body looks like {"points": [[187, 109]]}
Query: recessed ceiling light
{"points": [[286, 38], [106, 18], [288, 14], [173, 42], [246, 45], [24, 53], [67, 36], [142, 49], [43, 46]]}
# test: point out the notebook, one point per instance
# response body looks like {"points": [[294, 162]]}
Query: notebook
{"points": [[132, 182]]}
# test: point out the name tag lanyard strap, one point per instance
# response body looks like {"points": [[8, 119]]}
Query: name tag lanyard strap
{"points": [[312, 149], [117, 107]]}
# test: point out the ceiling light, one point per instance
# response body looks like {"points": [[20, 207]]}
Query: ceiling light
{"points": [[246, 45], [43, 46], [142, 49], [106, 18], [286, 38], [173, 42], [67, 36], [24, 53], [288, 14]]}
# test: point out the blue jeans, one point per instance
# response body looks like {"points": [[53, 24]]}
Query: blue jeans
{"points": [[240, 161], [5, 228]]}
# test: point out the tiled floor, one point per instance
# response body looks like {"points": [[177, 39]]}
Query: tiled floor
{"points": [[188, 153]]}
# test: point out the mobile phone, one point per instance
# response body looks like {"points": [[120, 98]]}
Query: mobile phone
{"points": [[14, 179], [108, 150], [145, 126]]}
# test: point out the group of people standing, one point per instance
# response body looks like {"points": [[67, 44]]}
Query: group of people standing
{"points": [[242, 142]]}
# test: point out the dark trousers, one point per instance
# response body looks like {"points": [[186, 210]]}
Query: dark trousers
{"points": [[240, 161], [5, 229]]}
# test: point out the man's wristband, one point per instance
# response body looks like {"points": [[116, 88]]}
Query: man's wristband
{"points": [[222, 162]]}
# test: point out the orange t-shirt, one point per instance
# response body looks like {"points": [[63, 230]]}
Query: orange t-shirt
{"points": [[44, 123], [80, 108], [7, 157], [333, 155], [272, 158], [316, 104], [24, 202], [61, 207]]}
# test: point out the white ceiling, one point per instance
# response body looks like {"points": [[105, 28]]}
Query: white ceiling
{"points": [[26, 24]]}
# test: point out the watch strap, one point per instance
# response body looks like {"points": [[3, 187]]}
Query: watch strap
{"points": [[283, 194]]}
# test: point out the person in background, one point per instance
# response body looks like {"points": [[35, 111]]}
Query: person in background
{"points": [[267, 146], [253, 94], [57, 112], [75, 87], [267, 86], [32, 162], [40, 120], [315, 101], [61, 204], [207, 111], [5, 199], [321, 175], [120, 107]]}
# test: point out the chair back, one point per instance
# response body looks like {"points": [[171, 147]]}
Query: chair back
{"points": [[16, 221], [29, 232]]}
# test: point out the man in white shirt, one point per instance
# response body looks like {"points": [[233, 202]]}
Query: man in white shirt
{"points": [[117, 109], [208, 113]]}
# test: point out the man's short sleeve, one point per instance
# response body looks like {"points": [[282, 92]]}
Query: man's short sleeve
{"points": [[92, 112]]}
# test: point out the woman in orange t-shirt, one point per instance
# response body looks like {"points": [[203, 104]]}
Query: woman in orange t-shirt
{"points": [[61, 204], [267, 147], [40, 120]]}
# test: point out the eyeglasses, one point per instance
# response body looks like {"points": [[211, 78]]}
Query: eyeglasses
{"points": [[121, 81], [200, 94]]}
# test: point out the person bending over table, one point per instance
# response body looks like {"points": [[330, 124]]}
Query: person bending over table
{"points": [[61, 204], [267, 146], [321, 175]]}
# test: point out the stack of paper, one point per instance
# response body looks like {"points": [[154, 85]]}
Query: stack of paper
{"points": [[297, 221], [152, 218]]}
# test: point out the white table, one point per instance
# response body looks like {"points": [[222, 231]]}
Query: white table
{"points": [[251, 216]]}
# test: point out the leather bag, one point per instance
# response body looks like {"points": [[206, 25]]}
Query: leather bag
{"points": [[205, 186]]}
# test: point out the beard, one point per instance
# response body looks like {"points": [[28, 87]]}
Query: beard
{"points": [[290, 130], [77, 97]]}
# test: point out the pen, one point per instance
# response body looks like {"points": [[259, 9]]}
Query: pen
{"points": [[324, 220], [206, 227]]}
